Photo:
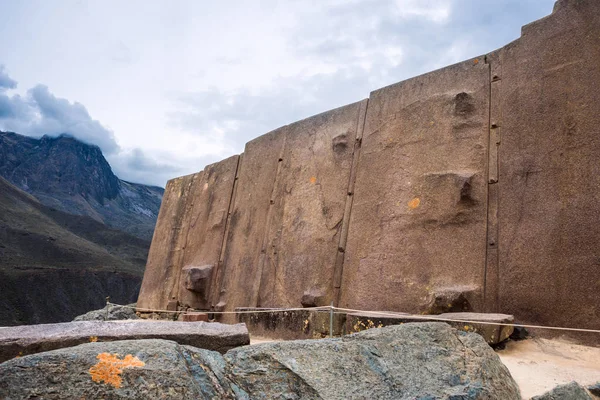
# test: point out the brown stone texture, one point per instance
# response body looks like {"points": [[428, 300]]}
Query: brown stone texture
{"points": [[419, 215], [194, 317], [298, 324], [288, 210], [309, 200], [210, 194], [549, 178], [190, 230], [475, 187], [244, 245], [162, 272]]}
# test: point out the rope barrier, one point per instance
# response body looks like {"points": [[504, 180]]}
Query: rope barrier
{"points": [[253, 311], [338, 310], [442, 319]]}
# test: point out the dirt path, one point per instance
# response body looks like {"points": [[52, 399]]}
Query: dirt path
{"points": [[538, 365]]}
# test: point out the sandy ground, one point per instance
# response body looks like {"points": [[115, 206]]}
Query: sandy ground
{"points": [[260, 339], [538, 365]]}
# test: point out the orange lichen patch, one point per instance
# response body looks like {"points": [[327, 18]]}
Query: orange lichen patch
{"points": [[93, 339], [313, 179], [110, 367], [414, 203], [476, 61]]}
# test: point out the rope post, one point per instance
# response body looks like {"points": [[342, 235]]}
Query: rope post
{"points": [[107, 307], [331, 320]]}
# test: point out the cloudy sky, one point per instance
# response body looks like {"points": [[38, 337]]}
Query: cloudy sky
{"points": [[166, 87]]}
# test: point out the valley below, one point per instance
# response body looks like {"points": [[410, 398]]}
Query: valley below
{"points": [[58, 261]]}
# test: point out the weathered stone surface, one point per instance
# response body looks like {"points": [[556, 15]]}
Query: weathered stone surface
{"points": [[313, 298], [309, 201], [205, 229], [289, 204], [482, 175], [197, 279], [549, 169], [356, 322], [451, 299], [28, 339], [419, 213], [194, 317], [244, 247], [297, 324], [385, 363], [109, 313], [594, 389], [172, 305], [160, 279], [65, 373], [491, 333], [190, 226], [569, 391]]}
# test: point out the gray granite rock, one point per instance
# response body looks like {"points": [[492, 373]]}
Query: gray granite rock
{"points": [[568, 391], [411, 361], [109, 313]]}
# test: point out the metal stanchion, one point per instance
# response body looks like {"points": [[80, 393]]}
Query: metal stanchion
{"points": [[331, 321], [107, 307]]}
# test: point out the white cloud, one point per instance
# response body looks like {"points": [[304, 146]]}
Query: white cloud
{"points": [[437, 11], [190, 82]]}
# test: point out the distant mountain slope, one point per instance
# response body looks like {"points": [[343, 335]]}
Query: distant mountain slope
{"points": [[54, 266], [74, 177]]}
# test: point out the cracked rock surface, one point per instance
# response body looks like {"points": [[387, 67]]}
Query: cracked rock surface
{"points": [[410, 361]]}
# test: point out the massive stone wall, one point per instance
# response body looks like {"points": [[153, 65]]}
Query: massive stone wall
{"points": [[478, 182], [548, 110], [418, 222]]}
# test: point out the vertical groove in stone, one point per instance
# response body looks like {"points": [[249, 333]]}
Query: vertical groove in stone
{"points": [[181, 239], [263, 250], [491, 271], [339, 262], [217, 279]]}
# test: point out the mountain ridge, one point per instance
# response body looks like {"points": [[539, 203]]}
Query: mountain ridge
{"points": [[54, 265], [72, 176], [71, 231]]}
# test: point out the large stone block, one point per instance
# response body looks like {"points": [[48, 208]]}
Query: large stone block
{"points": [[197, 279], [550, 170], [194, 317], [295, 324], [189, 232], [418, 220], [493, 327], [288, 210], [159, 285], [309, 198], [244, 246], [29, 339], [205, 224], [413, 361]]}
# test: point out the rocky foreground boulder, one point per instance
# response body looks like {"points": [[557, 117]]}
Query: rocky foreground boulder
{"points": [[568, 391], [410, 361], [109, 313]]}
